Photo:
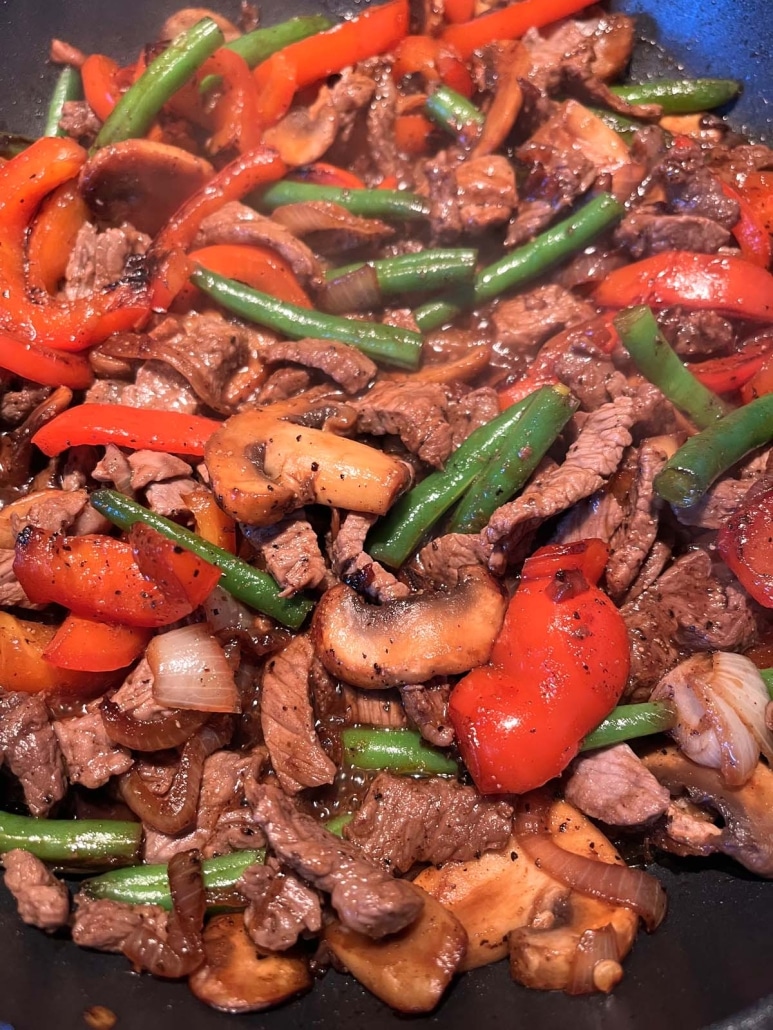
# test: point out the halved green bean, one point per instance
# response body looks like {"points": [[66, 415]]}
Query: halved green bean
{"points": [[149, 884], [521, 451], [397, 204], [529, 262], [256, 46], [427, 270], [68, 87], [135, 112], [453, 112], [659, 363], [73, 843], [395, 537], [626, 722], [767, 675], [681, 96], [337, 823], [385, 343], [400, 751], [255, 588], [686, 477]]}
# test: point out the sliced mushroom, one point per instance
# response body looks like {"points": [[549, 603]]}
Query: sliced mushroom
{"points": [[304, 134], [409, 970], [141, 182], [235, 978], [262, 467], [747, 835], [412, 639], [503, 893]]}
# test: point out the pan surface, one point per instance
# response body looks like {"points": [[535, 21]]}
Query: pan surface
{"points": [[710, 964]]}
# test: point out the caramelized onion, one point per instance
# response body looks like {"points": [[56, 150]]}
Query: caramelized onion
{"points": [[323, 216], [190, 671], [169, 729], [596, 965], [616, 884], [357, 290], [181, 951]]}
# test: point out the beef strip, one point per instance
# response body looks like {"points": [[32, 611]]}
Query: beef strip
{"points": [[280, 908], [414, 412], [716, 506], [692, 189], [56, 511], [366, 898], [602, 40], [380, 145], [16, 405], [287, 718], [440, 561], [135, 695], [689, 830], [402, 821], [41, 899], [99, 259], [599, 516], [654, 565], [472, 410], [156, 386], [90, 756], [79, 122], [29, 746], [281, 385], [644, 232], [346, 365], [591, 459], [171, 497], [591, 376], [351, 563], [696, 334], [615, 786], [105, 925], [523, 322], [291, 552], [634, 538], [148, 467], [485, 192], [426, 706]]}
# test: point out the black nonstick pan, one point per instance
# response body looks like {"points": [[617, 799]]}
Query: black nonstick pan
{"points": [[711, 964]]}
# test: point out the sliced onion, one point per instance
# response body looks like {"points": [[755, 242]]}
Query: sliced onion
{"points": [[596, 965], [738, 682], [357, 290], [323, 216], [228, 618], [169, 729], [190, 670], [616, 884]]}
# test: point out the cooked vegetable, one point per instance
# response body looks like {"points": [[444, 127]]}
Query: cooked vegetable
{"points": [[627, 722], [509, 23], [681, 96], [72, 843], [260, 44], [744, 542], [190, 671], [701, 459], [24, 663], [390, 204], [250, 585], [531, 260], [87, 645], [407, 273], [658, 362], [396, 750], [68, 87], [454, 113]]}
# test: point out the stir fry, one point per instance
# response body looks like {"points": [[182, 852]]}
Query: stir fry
{"points": [[385, 499]]}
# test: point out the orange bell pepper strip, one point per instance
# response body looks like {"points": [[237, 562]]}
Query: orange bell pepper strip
{"points": [[751, 234], [727, 284], [23, 666], [456, 11], [509, 22], [322, 174], [724, 375], [413, 133], [276, 80], [43, 365], [99, 577], [86, 645], [557, 669], [212, 523], [259, 267], [435, 60], [52, 236], [101, 424], [243, 175], [373, 32], [99, 75], [757, 189]]}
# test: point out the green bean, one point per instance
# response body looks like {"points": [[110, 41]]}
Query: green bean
{"points": [[337, 823], [255, 588], [149, 884], [399, 751], [74, 843], [68, 87], [427, 270], [767, 675], [397, 204], [522, 450], [681, 96], [619, 123], [629, 721], [385, 343], [395, 537], [135, 112], [521, 266], [256, 46], [686, 477], [453, 112], [659, 363]]}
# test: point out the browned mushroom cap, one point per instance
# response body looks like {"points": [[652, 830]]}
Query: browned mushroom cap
{"points": [[412, 639], [141, 182], [747, 835], [262, 467], [186, 18], [306, 133]]}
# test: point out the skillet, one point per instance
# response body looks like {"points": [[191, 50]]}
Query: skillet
{"points": [[710, 964]]}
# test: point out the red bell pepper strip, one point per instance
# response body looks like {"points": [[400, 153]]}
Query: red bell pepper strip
{"points": [[745, 543], [101, 424], [23, 667], [413, 133], [557, 669], [99, 75], [86, 645], [235, 116], [276, 80], [98, 577], [751, 235], [456, 11], [243, 175], [259, 267], [322, 174], [723, 375], [183, 577], [52, 236], [727, 284], [510, 22], [757, 189], [43, 365], [760, 383], [435, 60]]}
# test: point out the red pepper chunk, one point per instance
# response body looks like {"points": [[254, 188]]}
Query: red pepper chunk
{"points": [[86, 645], [745, 543], [98, 577], [557, 669]]}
